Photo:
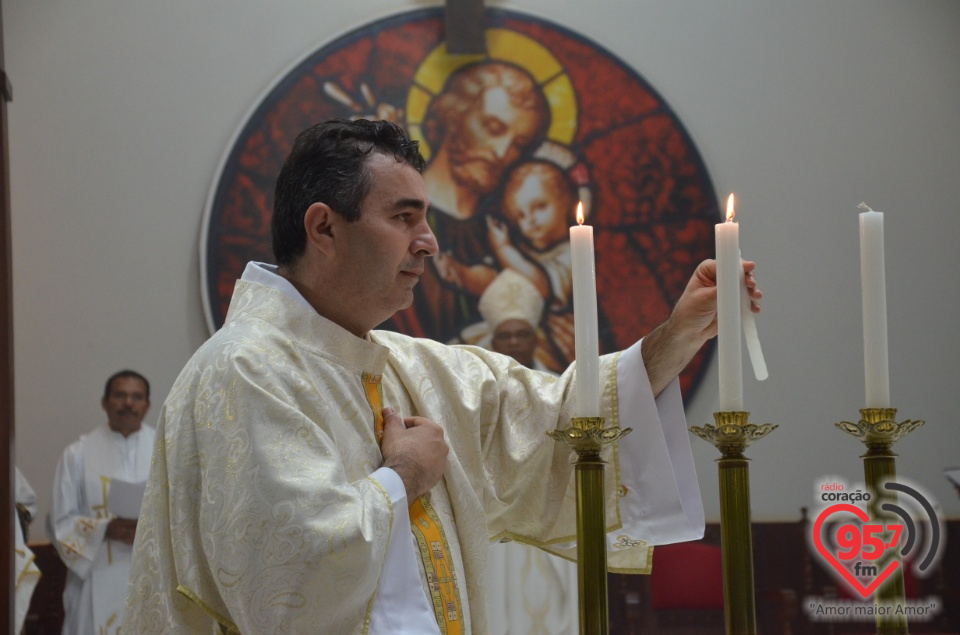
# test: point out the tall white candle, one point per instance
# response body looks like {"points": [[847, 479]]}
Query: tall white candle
{"points": [[729, 281], [585, 318], [874, 289]]}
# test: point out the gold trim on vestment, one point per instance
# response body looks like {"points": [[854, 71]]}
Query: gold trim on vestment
{"points": [[226, 626], [374, 391], [26, 568], [431, 539], [441, 576], [615, 421], [102, 512]]}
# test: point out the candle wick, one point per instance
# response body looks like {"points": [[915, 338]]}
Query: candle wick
{"points": [[864, 206]]}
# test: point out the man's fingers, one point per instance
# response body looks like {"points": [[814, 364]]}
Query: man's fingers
{"points": [[705, 274], [412, 422], [753, 290], [391, 419]]}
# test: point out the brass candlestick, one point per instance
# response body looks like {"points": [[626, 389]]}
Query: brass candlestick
{"points": [[731, 436], [878, 430], [587, 436]]}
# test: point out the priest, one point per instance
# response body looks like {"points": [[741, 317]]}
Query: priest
{"points": [[26, 575], [311, 472], [93, 542]]}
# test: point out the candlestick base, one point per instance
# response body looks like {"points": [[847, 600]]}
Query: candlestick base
{"points": [[731, 436], [879, 430], [587, 436]]}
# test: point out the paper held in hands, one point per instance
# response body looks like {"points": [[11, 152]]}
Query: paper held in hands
{"points": [[125, 498], [749, 322]]}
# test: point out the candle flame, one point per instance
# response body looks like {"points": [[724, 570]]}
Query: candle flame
{"points": [[579, 213], [730, 212]]}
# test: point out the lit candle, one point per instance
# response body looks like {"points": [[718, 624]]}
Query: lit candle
{"points": [[585, 318], [874, 289], [729, 281]]}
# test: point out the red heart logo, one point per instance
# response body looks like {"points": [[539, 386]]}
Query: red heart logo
{"points": [[829, 557]]}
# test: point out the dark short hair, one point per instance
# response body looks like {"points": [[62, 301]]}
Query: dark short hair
{"points": [[328, 165], [125, 373]]}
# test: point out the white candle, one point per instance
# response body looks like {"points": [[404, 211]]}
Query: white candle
{"points": [[585, 318], [874, 288], [729, 281]]}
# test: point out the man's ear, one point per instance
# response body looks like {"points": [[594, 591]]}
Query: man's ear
{"points": [[318, 223]]}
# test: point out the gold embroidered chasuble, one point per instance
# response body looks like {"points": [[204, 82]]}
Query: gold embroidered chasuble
{"points": [[261, 514]]}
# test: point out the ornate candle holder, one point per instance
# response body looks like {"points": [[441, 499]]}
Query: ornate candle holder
{"points": [[732, 435], [879, 430], [587, 437]]}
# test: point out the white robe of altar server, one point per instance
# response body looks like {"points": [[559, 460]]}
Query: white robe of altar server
{"points": [[97, 568], [267, 510], [530, 592], [25, 578], [25, 572]]}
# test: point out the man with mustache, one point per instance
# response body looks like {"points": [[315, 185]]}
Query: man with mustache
{"points": [[479, 125], [93, 543], [314, 474]]}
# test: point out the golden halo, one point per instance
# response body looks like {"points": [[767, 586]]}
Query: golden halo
{"points": [[505, 46]]}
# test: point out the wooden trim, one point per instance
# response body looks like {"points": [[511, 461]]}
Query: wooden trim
{"points": [[7, 479], [464, 26]]}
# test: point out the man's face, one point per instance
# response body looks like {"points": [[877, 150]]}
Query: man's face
{"points": [[517, 339], [126, 405], [488, 138], [380, 257]]}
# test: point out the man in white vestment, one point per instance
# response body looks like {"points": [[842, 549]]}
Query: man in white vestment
{"points": [[25, 572], [93, 543], [25, 578], [312, 474], [529, 592]]}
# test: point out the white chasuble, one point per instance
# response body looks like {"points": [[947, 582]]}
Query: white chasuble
{"points": [[267, 510], [98, 568]]}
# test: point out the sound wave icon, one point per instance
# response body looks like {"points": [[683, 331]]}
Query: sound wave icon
{"points": [[910, 526]]}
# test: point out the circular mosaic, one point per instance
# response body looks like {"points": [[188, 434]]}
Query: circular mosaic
{"points": [[514, 139]]}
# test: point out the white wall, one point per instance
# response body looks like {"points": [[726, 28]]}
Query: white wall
{"points": [[122, 111]]}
